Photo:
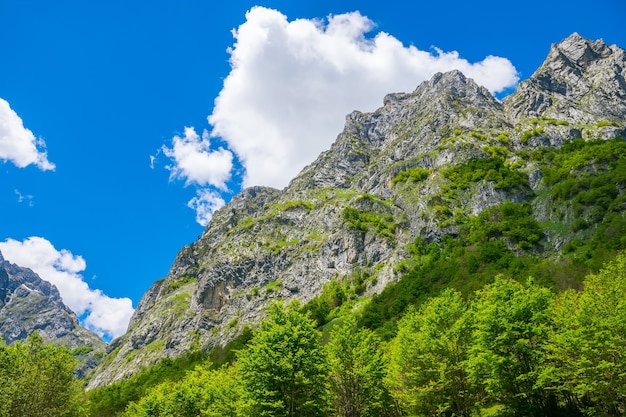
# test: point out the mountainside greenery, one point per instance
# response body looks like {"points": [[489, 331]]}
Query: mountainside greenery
{"points": [[512, 348]]}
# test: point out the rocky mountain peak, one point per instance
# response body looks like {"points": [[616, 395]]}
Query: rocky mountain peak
{"points": [[579, 51], [454, 83], [29, 303], [580, 79], [406, 124]]}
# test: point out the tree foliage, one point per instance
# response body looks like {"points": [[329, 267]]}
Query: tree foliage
{"points": [[427, 361], [37, 380], [511, 323], [202, 392], [358, 368], [284, 369], [587, 357]]}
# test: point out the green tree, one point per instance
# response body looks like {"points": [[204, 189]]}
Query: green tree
{"points": [[38, 380], [511, 323], [426, 372], [358, 368], [587, 355], [284, 369]]}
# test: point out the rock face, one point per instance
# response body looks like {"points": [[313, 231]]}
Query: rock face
{"points": [[268, 245], [28, 304]]}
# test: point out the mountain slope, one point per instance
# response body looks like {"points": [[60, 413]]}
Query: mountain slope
{"points": [[423, 166], [28, 304]]}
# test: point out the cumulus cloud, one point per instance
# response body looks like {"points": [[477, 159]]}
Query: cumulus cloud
{"points": [[18, 144], [205, 203], [293, 82], [195, 161], [102, 314]]}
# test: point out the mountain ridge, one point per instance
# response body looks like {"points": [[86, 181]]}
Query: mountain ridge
{"points": [[388, 179]]}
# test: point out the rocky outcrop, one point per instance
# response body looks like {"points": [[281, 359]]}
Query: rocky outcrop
{"points": [[28, 304], [347, 213]]}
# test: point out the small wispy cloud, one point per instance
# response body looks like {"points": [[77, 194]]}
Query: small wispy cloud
{"points": [[24, 198], [18, 144], [194, 160], [106, 316], [205, 203]]}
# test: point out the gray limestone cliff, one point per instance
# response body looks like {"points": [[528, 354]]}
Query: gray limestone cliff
{"points": [[268, 245], [28, 304]]}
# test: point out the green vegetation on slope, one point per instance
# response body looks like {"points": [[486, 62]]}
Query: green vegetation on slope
{"points": [[488, 169], [511, 348]]}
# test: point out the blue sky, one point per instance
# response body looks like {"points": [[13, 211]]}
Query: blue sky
{"points": [[110, 163]]}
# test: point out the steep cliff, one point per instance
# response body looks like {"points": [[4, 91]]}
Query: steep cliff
{"points": [[28, 304], [393, 175]]}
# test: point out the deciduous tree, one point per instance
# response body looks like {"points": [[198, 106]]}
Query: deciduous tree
{"points": [[38, 380], [426, 371], [358, 368], [512, 323], [284, 369]]}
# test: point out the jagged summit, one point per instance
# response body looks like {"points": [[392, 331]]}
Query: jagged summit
{"points": [[582, 79], [408, 124], [454, 83], [384, 182], [579, 51]]}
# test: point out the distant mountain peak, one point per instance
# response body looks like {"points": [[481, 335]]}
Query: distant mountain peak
{"points": [[582, 80], [29, 303]]}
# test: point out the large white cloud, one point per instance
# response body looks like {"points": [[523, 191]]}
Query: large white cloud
{"points": [[18, 144], [292, 84], [104, 315]]}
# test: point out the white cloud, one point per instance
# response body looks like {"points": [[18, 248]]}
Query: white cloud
{"points": [[18, 144], [292, 84], [205, 203], [195, 161], [104, 315]]}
